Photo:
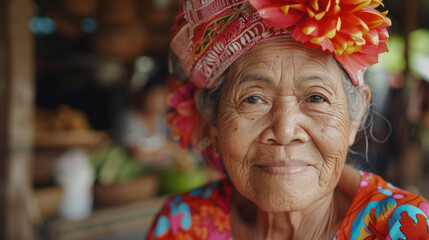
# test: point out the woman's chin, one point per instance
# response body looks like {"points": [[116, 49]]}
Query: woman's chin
{"points": [[282, 202], [280, 190]]}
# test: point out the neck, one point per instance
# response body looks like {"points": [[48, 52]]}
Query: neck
{"points": [[320, 220], [316, 222]]}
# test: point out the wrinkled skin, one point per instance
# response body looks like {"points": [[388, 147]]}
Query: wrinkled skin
{"points": [[284, 127]]}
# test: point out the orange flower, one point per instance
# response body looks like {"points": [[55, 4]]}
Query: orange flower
{"points": [[207, 210], [183, 236], [222, 221], [351, 30], [199, 230]]}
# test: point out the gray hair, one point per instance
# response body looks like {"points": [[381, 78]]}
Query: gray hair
{"points": [[355, 99]]}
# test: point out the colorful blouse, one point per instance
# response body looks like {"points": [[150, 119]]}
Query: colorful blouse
{"points": [[379, 210]]}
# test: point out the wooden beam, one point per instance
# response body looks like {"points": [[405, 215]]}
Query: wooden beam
{"points": [[16, 118]]}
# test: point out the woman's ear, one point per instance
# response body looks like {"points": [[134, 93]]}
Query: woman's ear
{"points": [[365, 93]]}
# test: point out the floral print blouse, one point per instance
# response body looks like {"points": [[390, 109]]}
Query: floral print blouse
{"points": [[378, 211]]}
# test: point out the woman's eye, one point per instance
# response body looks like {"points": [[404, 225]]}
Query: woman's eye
{"points": [[252, 99], [316, 99]]}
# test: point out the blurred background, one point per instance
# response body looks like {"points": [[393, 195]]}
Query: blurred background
{"points": [[84, 149]]}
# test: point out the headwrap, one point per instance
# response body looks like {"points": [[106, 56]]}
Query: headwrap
{"points": [[209, 35]]}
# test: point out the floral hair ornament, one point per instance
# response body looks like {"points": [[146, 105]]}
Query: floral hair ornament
{"points": [[353, 31], [183, 118], [187, 123]]}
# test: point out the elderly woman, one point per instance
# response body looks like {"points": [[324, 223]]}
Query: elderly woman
{"points": [[280, 96]]}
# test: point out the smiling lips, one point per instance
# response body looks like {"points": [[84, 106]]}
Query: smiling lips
{"points": [[283, 168]]}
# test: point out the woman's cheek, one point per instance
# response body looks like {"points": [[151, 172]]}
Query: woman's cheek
{"points": [[333, 151], [330, 129], [233, 138], [236, 131]]}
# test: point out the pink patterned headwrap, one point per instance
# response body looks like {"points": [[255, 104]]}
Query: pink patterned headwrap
{"points": [[209, 36]]}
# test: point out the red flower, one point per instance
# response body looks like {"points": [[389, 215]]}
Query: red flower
{"points": [[352, 30], [184, 118]]}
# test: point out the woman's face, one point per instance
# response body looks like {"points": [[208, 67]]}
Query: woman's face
{"points": [[283, 125]]}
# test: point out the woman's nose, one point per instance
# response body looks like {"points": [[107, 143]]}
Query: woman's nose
{"points": [[286, 127]]}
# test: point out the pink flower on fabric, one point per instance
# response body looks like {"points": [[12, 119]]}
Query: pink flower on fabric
{"points": [[184, 118], [352, 30]]}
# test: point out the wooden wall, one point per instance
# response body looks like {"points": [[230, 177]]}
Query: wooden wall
{"points": [[16, 118]]}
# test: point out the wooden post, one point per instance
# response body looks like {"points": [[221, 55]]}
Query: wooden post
{"points": [[16, 118], [411, 158]]}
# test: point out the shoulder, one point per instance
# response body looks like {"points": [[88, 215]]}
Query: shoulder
{"points": [[382, 210], [196, 214]]}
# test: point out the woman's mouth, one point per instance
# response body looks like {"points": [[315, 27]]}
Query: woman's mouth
{"points": [[284, 168]]}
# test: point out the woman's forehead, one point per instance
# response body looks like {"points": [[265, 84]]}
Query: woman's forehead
{"points": [[282, 56], [272, 50]]}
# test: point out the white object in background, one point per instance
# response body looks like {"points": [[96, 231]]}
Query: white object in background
{"points": [[74, 173]]}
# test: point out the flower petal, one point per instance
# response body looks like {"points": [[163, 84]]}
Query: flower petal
{"points": [[314, 4], [372, 37], [186, 108], [327, 45], [175, 99], [258, 4], [275, 17], [299, 35], [187, 90]]}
